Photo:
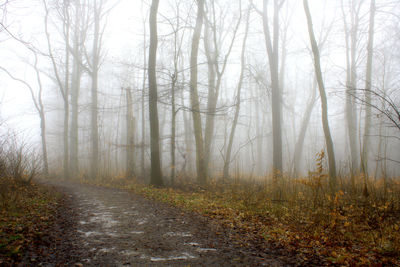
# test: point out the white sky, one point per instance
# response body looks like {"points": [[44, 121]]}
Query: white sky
{"points": [[123, 38]]}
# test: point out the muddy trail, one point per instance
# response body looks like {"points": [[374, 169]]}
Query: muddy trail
{"points": [[111, 227]]}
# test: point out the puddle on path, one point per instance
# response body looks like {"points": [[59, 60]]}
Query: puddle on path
{"points": [[105, 218], [129, 253], [184, 256], [137, 232], [106, 250], [179, 234], [205, 249], [89, 233]]}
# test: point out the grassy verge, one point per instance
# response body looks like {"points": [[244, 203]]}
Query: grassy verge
{"points": [[26, 212], [344, 229]]}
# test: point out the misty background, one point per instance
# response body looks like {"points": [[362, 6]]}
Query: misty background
{"points": [[57, 55]]}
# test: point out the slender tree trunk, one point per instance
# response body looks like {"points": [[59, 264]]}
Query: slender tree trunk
{"points": [[130, 138], [156, 174], [238, 100], [44, 143], [351, 86], [324, 102], [75, 87], [211, 101], [368, 88], [173, 127], [188, 142], [216, 73], [74, 121], [94, 104], [272, 45], [143, 146], [66, 93], [259, 141], [194, 96]]}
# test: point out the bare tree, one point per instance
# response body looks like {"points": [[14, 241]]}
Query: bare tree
{"points": [[79, 36], [63, 86], [324, 102], [216, 71]]}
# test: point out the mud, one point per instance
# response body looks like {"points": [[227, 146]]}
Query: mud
{"points": [[111, 227]]}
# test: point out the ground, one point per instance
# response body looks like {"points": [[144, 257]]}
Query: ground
{"points": [[113, 227]]}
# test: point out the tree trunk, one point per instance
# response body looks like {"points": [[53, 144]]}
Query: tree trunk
{"points": [[143, 145], [173, 127], [130, 137], [156, 174], [351, 86], [44, 143], [368, 88], [212, 98], [66, 94], [324, 102], [194, 96], [273, 59], [94, 104], [75, 87]]}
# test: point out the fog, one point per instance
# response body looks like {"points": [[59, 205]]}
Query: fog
{"points": [[75, 78]]}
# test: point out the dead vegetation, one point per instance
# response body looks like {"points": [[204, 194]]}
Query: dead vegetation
{"points": [[347, 227], [26, 209]]}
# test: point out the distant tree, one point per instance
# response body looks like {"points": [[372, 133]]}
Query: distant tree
{"points": [[63, 85], [272, 45], [217, 63], [130, 137], [238, 99], [368, 89], [351, 31]]}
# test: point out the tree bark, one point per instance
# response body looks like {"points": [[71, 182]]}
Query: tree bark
{"points": [[194, 96], [156, 174]]}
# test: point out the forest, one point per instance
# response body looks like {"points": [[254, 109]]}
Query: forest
{"points": [[273, 125]]}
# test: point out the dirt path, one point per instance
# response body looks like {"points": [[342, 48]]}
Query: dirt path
{"points": [[110, 227]]}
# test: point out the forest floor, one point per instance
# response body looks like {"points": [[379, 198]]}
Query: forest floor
{"points": [[115, 227]]}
